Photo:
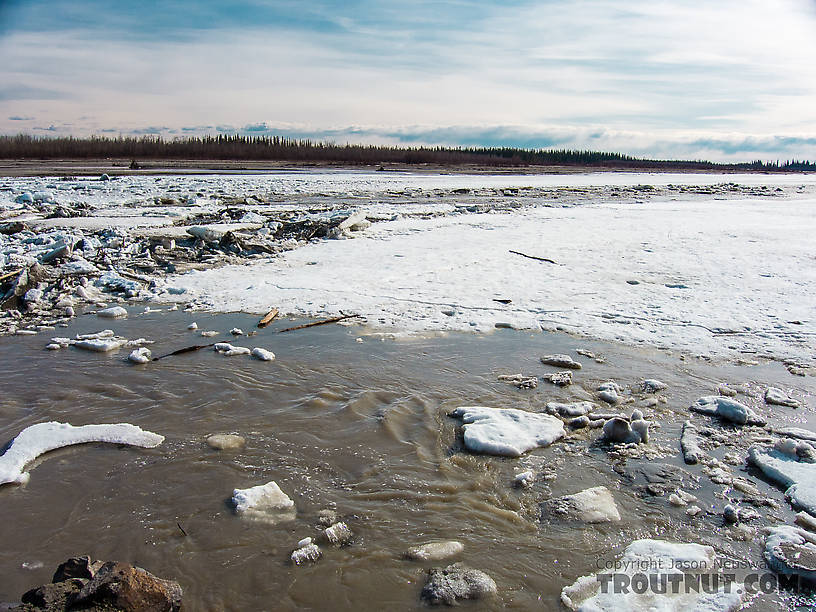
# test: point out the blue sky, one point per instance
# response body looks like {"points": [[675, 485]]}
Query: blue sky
{"points": [[728, 80]]}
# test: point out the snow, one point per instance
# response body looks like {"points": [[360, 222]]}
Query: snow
{"points": [[657, 557], [779, 398], [507, 431], [37, 439], [228, 350], [459, 263], [728, 409], [266, 503], [799, 477]]}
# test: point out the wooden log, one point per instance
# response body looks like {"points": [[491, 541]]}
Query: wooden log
{"points": [[316, 323], [268, 317], [534, 257]]}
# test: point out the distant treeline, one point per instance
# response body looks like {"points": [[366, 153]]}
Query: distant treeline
{"points": [[277, 148]]}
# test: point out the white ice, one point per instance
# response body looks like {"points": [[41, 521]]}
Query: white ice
{"points": [[266, 503], [658, 557], [726, 408], [790, 550], [507, 431], [263, 354], [37, 439], [799, 477], [114, 312]]}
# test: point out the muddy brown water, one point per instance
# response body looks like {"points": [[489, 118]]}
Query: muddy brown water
{"points": [[359, 427]]}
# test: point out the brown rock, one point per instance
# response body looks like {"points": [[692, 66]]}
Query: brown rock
{"points": [[129, 588]]}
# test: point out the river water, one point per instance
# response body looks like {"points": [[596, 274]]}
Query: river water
{"points": [[355, 423]]}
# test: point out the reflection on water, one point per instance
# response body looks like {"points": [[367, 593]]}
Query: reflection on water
{"points": [[359, 427]]}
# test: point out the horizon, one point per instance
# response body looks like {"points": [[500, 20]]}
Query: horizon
{"points": [[726, 83]]}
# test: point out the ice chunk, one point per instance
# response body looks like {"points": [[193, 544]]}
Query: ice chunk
{"points": [[236, 331], [37, 439], [507, 431], [728, 409], [338, 534], [690, 444], [561, 361], [140, 355], [799, 477], [619, 430], [608, 392], [265, 503], [306, 553], [111, 281], [790, 550], [587, 594], [779, 397], [226, 349], [192, 326], [570, 410], [435, 551], [263, 354], [650, 385], [595, 505], [225, 441], [114, 312], [101, 345]]}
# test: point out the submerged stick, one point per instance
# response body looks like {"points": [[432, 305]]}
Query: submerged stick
{"points": [[316, 323], [267, 318], [10, 274], [186, 349], [182, 529], [534, 257]]}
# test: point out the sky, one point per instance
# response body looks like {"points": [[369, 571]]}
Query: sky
{"points": [[730, 80]]}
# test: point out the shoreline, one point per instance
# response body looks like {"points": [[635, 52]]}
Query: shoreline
{"points": [[17, 168]]}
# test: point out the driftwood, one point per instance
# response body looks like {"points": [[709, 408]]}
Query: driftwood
{"points": [[316, 323], [186, 349], [267, 319], [534, 257], [10, 274]]}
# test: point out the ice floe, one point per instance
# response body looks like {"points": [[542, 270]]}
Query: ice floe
{"points": [[114, 312], [790, 550], [434, 551], [778, 397], [140, 355], [663, 562], [101, 345], [262, 354], [37, 439], [228, 350], [507, 431], [265, 503], [797, 476], [727, 409], [594, 505]]}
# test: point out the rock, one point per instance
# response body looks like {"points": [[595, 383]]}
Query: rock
{"points": [[570, 410], [507, 431], [650, 385], [225, 442], [140, 355], [456, 582], [726, 391], [32, 296], [595, 505], [262, 354], [561, 361], [338, 534], [690, 444], [80, 584], [308, 553], [790, 550], [727, 409], [730, 514], [265, 503], [559, 379], [780, 398], [435, 551], [129, 588], [657, 557]]}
